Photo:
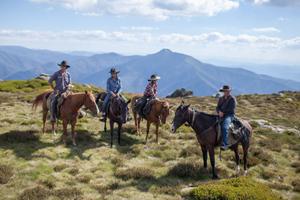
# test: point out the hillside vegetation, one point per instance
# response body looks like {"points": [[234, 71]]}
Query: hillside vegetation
{"points": [[36, 166]]}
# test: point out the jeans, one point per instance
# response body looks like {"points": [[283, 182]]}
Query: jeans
{"points": [[225, 126], [53, 107], [105, 102]]}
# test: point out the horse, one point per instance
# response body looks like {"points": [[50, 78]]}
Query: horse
{"points": [[117, 113], [69, 110], [206, 128], [159, 112]]}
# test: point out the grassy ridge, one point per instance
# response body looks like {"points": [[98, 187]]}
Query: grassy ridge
{"points": [[36, 166]]}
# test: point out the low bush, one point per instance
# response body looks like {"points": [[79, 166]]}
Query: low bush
{"points": [[232, 189], [6, 172], [135, 173]]}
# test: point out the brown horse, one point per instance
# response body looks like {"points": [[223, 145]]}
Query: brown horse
{"points": [[206, 127], [69, 110], [117, 113], [158, 115]]}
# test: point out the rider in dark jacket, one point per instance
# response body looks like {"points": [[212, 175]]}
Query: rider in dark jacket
{"points": [[226, 111]]}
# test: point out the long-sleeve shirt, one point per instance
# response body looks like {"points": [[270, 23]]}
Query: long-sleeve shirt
{"points": [[151, 90], [227, 105], [62, 81], [113, 85]]}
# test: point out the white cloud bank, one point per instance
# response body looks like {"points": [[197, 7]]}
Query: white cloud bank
{"points": [[266, 30], [157, 9]]}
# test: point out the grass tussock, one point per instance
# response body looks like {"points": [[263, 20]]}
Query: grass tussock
{"points": [[296, 185], [232, 189], [135, 173], [6, 172], [187, 169]]}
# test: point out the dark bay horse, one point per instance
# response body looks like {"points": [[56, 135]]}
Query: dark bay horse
{"points": [[117, 113], [206, 126], [158, 115], [69, 110]]}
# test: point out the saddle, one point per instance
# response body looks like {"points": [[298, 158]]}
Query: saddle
{"points": [[143, 106], [235, 133], [60, 101]]}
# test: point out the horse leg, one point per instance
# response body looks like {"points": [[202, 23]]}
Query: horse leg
{"points": [[45, 112], [211, 151], [65, 133], [135, 121], [53, 128], [148, 128], [111, 132], [237, 158], [105, 129], [156, 132], [204, 155], [73, 124], [245, 152], [139, 125], [119, 133]]}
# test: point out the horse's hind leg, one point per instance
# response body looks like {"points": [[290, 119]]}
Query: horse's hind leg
{"points": [[53, 128], [105, 128], [139, 126], [45, 112], [156, 132], [65, 133]]}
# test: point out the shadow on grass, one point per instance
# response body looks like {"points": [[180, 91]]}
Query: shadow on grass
{"points": [[23, 143], [127, 140]]}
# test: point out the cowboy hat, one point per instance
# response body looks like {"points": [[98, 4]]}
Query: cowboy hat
{"points": [[225, 88], [154, 77], [113, 70], [64, 64]]}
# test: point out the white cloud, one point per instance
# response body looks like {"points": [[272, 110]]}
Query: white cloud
{"points": [[260, 41], [139, 28], [276, 2], [156, 9], [266, 30]]}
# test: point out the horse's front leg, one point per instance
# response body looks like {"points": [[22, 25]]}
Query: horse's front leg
{"points": [[53, 127], [73, 124], [237, 158], [65, 131], [245, 152], [111, 132], [119, 133], [139, 125], [204, 155], [148, 129], [211, 151], [105, 129]]}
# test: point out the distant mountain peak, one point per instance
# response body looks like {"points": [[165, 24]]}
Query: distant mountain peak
{"points": [[165, 51]]}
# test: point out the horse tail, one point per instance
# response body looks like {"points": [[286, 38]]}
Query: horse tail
{"points": [[39, 99]]}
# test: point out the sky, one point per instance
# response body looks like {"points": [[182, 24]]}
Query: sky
{"points": [[223, 31]]}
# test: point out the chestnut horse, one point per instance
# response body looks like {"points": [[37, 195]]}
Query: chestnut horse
{"points": [[158, 115], [117, 113], [69, 110], [206, 126]]}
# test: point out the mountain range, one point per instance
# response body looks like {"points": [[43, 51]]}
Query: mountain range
{"points": [[176, 70]]}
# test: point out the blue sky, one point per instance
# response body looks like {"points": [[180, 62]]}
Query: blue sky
{"points": [[241, 31]]}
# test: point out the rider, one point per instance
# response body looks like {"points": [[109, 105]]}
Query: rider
{"points": [[62, 80], [149, 94], [113, 88], [226, 110]]}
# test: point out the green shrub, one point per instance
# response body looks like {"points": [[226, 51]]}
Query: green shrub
{"points": [[234, 189]]}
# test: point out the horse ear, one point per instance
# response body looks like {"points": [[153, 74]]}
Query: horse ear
{"points": [[86, 92], [128, 101], [182, 102], [187, 106]]}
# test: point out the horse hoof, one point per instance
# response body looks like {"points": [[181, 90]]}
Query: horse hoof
{"points": [[246, 172], [215, 177]]}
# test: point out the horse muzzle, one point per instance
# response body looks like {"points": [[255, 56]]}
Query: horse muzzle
{"points": [[173, 129]]}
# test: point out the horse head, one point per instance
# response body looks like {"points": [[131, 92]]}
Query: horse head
{"points": [[165, 111], [90, 103], [120, 108], [181, 116]]}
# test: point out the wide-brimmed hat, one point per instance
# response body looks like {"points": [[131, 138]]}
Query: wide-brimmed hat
{"points": [[154, 77], [225, 88], [113, 70], [64, 64]]}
